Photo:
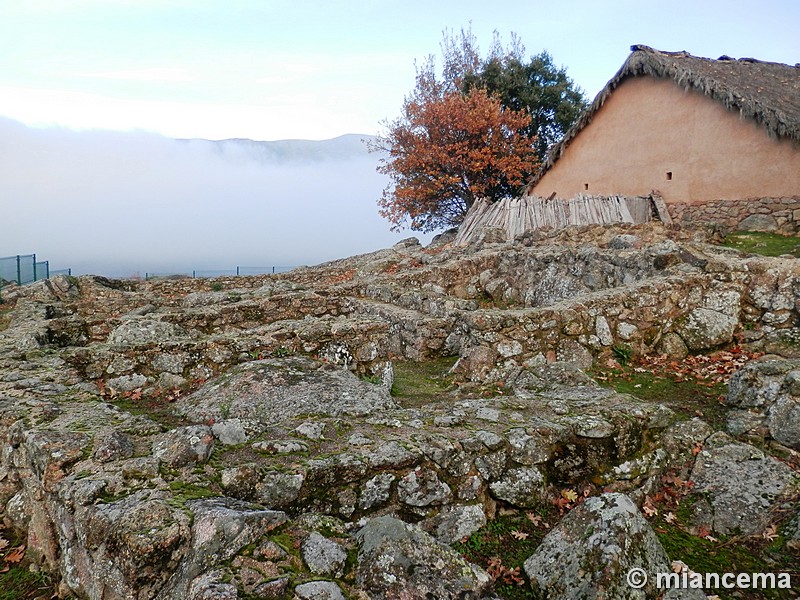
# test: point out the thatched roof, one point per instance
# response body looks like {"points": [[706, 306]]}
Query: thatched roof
{"points": [[767, 92]]}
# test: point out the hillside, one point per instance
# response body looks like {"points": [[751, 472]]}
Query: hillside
{"points": [[344, 147]]}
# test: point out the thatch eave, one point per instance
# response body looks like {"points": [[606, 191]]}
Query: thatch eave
{"points": [[768, 93]]}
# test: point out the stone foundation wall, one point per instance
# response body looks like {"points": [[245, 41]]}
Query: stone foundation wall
{"points": [[781, 215]]}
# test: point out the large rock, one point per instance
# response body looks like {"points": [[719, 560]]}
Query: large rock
{"points": [[399, 560], [143, 331], [184, 446], [220, 528], [323, 556], [273, 390], [590, 552], [768, 393], [705, 328], [738, 486], [456, 523], [130, 548], [758, 222], [522, 486]]}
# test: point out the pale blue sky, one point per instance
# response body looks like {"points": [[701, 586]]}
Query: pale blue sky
{"points": [[275, 69]]}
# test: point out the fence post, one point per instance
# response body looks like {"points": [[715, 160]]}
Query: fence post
{"points": [[237, 270], [47, 269], [273, 270], [34, 268], [19, 271]]}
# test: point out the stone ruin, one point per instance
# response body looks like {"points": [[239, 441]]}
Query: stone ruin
{"points": [[236, 438]]}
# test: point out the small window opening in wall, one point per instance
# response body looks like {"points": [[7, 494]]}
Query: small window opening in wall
{"points": [[669, 175], [585, 186]]}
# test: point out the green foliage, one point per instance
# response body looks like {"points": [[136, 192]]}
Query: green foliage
{"points": [[184, 492], [551, 99], [623, 353], [216, 287], [751, 555], [16, 579], [281, 352], [225, 409], [766, 244], [19, 582]]}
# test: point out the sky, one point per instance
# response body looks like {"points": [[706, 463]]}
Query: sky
{"points": [[316, 69], [93, 93]]}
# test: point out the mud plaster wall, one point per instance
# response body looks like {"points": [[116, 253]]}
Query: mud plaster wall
{"points": [[653, 135]]}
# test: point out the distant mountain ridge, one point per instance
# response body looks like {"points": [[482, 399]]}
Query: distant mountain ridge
{"points": [[344, 147]]}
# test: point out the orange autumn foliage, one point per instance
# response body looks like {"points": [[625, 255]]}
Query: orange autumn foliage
{"points": [[448, 150]]}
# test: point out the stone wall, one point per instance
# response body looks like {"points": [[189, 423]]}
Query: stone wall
{"points": [[781, 215]]}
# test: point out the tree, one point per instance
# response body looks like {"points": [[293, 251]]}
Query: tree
{"points": [[478, 131], [551, 98], [448, 151]]}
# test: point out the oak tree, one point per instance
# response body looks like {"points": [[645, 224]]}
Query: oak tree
{"points": [[446, 152], [545, 91], [479, 130]]}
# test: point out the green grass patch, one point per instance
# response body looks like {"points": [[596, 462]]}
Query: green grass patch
{"points": [[5, 315], [766, 244], [687, 396], [158, 410], [502, 546], [16, 579], [420, 383], [183, 492], [18, 582], [747, 555]]}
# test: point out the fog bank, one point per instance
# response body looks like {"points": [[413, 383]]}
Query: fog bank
{"points": [[119, 204]]}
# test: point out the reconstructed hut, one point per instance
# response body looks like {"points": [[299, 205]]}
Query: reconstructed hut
{"points": [[716, 138]]}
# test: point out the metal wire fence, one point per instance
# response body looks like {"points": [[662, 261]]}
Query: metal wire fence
{"points": [[203, 273], [22, 269]]}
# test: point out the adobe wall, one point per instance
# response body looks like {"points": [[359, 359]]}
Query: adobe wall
{"points": [[653, 135], [781, 215]]}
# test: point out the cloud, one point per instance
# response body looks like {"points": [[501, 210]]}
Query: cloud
{"points": [[119, 203]]}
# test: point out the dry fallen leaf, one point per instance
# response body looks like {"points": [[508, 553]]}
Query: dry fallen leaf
{"points": [[519, 535], [16, 555], [770, 533], [570, 495], [537, 520], [678, 566]]}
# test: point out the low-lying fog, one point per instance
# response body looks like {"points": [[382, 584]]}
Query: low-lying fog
{"points": [[122, 204]]}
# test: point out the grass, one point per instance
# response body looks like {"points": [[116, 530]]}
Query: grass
{"points": [[420, 383], [766, 244], [5, 316], [695, 387], [17, 581], [745, 555], [687, 396], [502, 546]]}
